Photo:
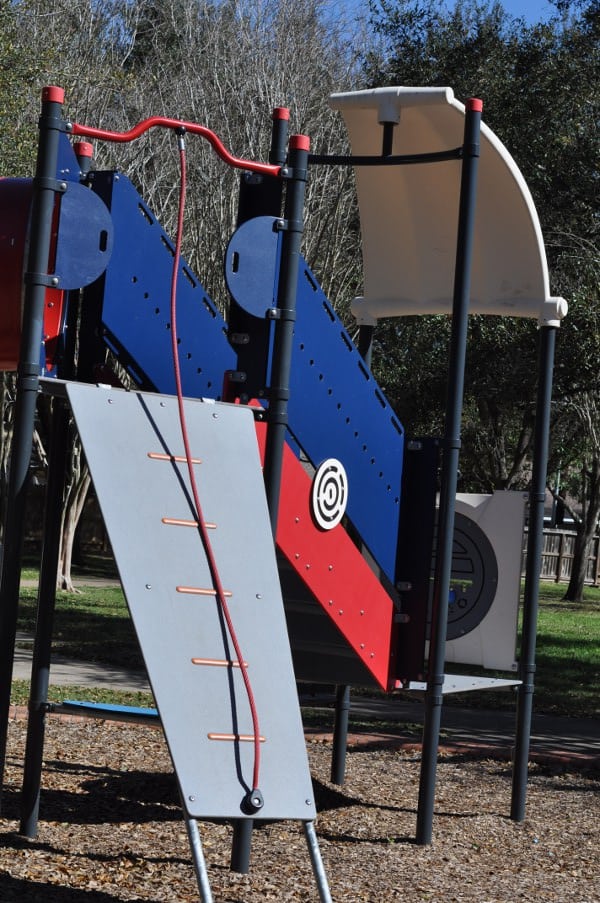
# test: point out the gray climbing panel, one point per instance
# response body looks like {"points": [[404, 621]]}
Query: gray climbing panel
{"points": [[133, 445]]}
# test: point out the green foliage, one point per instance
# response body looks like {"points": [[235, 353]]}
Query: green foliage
{"points": [[539, 85], [17, 72]]}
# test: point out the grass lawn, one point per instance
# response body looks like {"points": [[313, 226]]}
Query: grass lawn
{"points": [[567, 677], [568, 653], [94, 625]]}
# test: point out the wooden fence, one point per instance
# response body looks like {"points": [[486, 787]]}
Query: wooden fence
{"points": [[557, 557]]}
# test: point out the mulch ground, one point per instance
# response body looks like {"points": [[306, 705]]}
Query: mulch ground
{"points": [[111, 829]]}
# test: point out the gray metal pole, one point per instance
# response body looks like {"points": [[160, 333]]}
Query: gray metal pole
{"points": [[460, 315], [45, 188], [535, 539], [317, 862], [40, 671], [285, 317], [199, 861], [340, 734]]}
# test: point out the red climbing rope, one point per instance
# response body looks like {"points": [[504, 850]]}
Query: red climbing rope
{"points": [[267, 169], [218, 586]]}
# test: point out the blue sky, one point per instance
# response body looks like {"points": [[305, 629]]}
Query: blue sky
{"points": [[531, 10]]}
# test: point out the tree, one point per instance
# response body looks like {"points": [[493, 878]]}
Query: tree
{"points": [[235, 61], [582, 416], [539, 85], [222, 63]]}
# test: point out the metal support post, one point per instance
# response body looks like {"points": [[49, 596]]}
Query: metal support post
{"points": [[241, 846], [285, 317], [340, 734], [40, 671], [535, 541], [36, 282], [365, 343], [451, 448], [199, 861], [279, 135], [317, 862]]}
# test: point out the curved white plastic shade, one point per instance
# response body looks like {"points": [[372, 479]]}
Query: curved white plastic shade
{"points": [[409, 214]]}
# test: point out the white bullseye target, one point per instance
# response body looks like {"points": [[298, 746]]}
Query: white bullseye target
{"points": [[329, 494]]}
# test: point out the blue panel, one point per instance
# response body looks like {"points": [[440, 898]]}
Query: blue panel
{"points": [[336, 408], [251, 265], [136, 305], [85, 237], [68, 165], [106, 710]]}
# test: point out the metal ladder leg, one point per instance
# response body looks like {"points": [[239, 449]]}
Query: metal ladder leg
{"points": [[317, 862], [199, 861]]}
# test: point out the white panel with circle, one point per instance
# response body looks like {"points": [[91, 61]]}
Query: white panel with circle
{"points": [[485, 584], [329, 494]]}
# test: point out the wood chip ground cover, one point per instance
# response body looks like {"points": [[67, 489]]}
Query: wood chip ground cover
{"points": [[111, 829]]}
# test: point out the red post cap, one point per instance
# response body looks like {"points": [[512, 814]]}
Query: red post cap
{"points": [[83, 149], [53, 94], [281, 113], [474, 105], [300, 142]]}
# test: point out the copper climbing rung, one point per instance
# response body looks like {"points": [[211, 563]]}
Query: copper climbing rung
{"points": [[246, 738], [178, 459], [200, 591], [219, 662], [180, 522]]}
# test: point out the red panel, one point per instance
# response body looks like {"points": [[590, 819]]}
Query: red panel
{"points": [[15, 198], [15, 204], [336, 573]]}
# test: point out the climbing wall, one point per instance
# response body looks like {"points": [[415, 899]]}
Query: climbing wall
{"points": [[133, 444]]}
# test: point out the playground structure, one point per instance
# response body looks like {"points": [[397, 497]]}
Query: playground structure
{"points": [[350, 502]]}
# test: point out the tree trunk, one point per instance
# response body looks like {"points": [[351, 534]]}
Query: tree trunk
{"points": [[73, 507], [586, 530], [7, 398]]}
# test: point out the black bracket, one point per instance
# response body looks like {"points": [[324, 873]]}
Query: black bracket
{"points": [[288, 172], [287, 225], [53, 184], [50, 281], [280, 313], [54, 122]]}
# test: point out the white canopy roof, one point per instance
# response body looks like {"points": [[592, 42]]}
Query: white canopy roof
{"points": [[409, 214]]}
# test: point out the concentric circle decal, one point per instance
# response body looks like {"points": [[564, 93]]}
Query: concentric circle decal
{"points": [[329, 494]]}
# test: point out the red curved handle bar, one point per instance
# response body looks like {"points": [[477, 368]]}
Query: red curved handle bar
{"points": [[87, 131]]}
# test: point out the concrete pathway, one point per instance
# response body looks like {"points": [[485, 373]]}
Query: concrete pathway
{"points": [[70, 672], [569, 740]]}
